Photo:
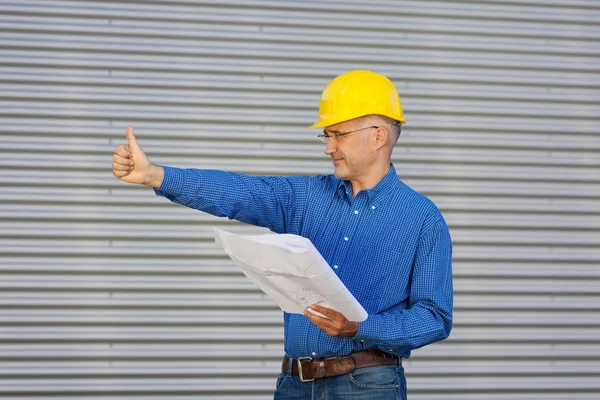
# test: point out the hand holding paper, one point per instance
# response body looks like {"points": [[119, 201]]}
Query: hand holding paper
{"points": [[331, 322], [290, 270]]}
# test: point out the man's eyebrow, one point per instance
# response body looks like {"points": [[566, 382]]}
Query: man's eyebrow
{"points": [[330, 131]]}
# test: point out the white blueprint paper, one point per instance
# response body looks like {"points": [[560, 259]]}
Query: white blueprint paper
{"points": [[290, 270]]}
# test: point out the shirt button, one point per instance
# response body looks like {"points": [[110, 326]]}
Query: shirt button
{"points": [[346, 238], [355, 211], [335, 266], [372, 207], [314, 354]]}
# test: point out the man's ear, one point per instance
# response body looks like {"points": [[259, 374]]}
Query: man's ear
{"points": [[382, 136]]}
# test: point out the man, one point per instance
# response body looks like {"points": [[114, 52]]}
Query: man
{"points": [[388, 244]]}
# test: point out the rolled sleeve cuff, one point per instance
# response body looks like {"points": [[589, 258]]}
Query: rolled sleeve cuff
{"points": [[172, 184]]}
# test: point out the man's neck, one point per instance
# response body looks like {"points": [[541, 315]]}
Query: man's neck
{"points": [[376, 174]]}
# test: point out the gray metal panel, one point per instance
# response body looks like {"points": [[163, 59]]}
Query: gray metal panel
{"points": [[106, 290]]}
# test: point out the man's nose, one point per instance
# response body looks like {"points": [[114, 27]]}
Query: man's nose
{"points": [[331, 147]]}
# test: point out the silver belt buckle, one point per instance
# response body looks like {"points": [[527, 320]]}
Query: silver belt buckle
{"points": [[299, 362]]}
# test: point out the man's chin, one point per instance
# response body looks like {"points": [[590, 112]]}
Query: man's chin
{"points": [[343, 175]]}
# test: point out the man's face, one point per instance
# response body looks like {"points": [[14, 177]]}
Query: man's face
{"points": [[352, 154]]}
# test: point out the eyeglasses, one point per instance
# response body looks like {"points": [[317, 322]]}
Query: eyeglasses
{"points": [[325, 137]]}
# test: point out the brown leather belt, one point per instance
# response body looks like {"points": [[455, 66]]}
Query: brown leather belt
{"points": [[309, 369]]}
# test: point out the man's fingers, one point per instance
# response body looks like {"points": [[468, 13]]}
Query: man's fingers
{"points": [[316, 319], [123, 151], [120, 174], [121, 167], [334, 323], [328, 312], [122, 160], [133, 144], [324, 324], [312, 316]]}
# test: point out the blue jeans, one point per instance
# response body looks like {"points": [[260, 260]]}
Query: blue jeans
{"points": [[370, 383]]}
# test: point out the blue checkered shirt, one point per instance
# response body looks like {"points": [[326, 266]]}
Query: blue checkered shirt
{"points": [[389, 245]]}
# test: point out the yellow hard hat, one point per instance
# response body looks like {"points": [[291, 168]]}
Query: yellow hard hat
{"points": [[355, 94]]}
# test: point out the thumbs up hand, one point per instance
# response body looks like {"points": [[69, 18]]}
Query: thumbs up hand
{"points": [[131, 165]]}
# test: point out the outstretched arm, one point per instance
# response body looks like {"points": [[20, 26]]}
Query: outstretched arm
{"points": [[270, 201]]}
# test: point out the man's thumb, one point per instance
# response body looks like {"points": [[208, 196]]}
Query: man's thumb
{"points": [[133, 144]]}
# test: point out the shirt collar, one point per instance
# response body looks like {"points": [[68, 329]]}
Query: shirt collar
{"points": [[384, 186]]}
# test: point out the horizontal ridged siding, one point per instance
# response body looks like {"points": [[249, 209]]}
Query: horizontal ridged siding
{"points": [[108, 291]]}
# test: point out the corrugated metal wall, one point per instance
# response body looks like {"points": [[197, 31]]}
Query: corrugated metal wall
{"points": [[106, 290]]}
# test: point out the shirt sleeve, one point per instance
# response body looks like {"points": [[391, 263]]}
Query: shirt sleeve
{"points": [[428, 317], [274, 202]]}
